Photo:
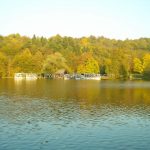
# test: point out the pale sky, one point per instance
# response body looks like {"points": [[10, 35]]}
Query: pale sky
{"points": [[119, 19]]}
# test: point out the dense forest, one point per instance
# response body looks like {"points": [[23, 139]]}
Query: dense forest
{"points": [[114, 58]]}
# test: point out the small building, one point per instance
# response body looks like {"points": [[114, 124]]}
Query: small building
{"points": [[59, 74]]}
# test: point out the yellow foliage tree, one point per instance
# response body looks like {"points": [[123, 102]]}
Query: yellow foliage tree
{"points": [[146, 60], [138, 66], [146, 66], [54, 62], [3, 65], [23, 62], [88, 65]]}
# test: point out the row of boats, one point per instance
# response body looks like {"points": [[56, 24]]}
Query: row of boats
{"points": [[32, 76], [26, 76], [82, 77]]}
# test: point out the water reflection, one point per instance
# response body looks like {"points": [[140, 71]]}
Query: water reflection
{"points": [[58, 114], [63, 99], [89, 92]]}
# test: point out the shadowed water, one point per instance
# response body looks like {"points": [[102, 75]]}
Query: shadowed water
{"points": [[74, 115]]}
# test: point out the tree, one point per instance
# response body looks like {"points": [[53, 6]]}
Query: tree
{"points": [[23, 62], [116, 64], [88, 64], [146, 73], [3, 65], [146, 66], [54, 62], [114, 57], [138, 66], [146, 60], [37, 62]]}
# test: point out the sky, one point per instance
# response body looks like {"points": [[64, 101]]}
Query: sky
{"points": [[115, 19]]}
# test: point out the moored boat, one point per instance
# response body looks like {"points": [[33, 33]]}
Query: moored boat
{"points": [[19, 76], [92, 77], [67, 77], [25, 76], [88, 77], [31, 76]]}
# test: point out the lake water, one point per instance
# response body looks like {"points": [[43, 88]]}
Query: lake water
{"points": [[74, 115]]}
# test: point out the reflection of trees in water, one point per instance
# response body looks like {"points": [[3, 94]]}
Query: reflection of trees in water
{"points": [[67, 101], [83, 92]]}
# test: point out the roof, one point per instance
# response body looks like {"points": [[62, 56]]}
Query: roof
{"points": [[60, 71]]}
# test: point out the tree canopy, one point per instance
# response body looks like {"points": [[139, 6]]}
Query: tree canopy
{"points": [[91, 54], [54, 62]]}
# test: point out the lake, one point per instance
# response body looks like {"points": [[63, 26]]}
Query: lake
{"points": [[74, 115]]}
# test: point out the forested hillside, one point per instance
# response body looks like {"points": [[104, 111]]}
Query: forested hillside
{"points": [[115, 58]]}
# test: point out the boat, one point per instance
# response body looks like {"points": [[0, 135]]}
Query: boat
{"points": [[92, 77], [19, 76], [25, 76], [67, 77], [79, 77], [87, 77], [31, 76]]}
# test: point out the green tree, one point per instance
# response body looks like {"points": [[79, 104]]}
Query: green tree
{"points": [[115, 57], [23, 62], [138, 66], [3, 65], [54, 62], [88, 64], [37, 62], [146, 66], [146, 60]]}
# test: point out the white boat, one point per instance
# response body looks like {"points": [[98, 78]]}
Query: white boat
{"points": [[92, 77], [66, 77], [31, 76], [88, 77], [25, 76], [95, 78], [79, 77], [19, 76]]}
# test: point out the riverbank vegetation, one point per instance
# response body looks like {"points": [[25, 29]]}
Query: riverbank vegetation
{"points": [[114, 58]]}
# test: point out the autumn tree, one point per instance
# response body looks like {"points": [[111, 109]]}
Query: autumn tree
{"points": [[138, 66], [146, 66], [37, 62], [3, 65], [54, 62], [23, 62], [114, 57], [88, 64]]}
